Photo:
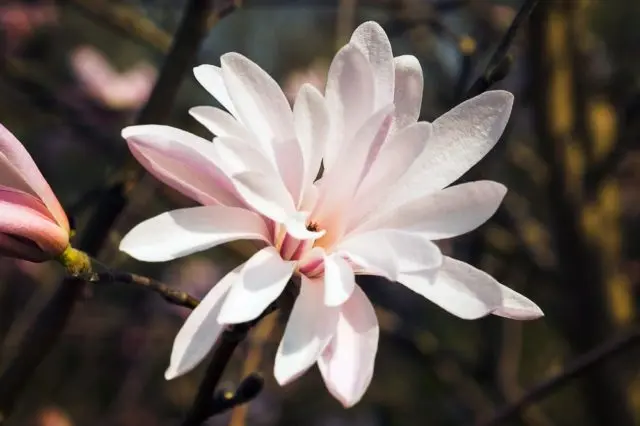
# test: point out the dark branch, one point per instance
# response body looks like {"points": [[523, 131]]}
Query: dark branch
{"points": [[500, 63], [576, 368]]}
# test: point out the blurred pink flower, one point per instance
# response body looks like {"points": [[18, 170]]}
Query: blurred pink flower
{"points": [[116, 90], [33, 225], [20, 20]]}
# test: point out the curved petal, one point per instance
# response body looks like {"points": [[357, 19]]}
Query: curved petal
{"points": [[408, 90], [210, 77], [21, 249], [349, 95], [395, 158], [181, 232], [24, 216], [220, 122], [348, 362], [259, 101], [453, 211], [461, 137], [266, 194], [262, 279], [371, 39], [184, 161], [339, 280], [18, 170], [388, 252], [312, 126], [308, 331], [469, 293], [201, 329]]}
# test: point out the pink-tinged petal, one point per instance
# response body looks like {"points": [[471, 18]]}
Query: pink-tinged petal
{"points": [[408, 90], [348, 362], [182, 232], [309, 329], [220, 122], [290, 162], [259, 101], [373, 42], [201, 329], [350, 98], [461, 138], [339, 280], [468, 293], [312, 263], [262, 279], [21, 249], [24, 216], [240, 155], [210, 77], [312, 125], [388, 252], [395, 158], [18, 170], [266, 194], [340, 182], [184, 161], [453, 211]]}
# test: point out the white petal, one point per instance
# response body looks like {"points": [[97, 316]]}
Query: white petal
{"points": [[266, 194], [371, 39], [453, 211], [350, 98], [339, 280], [183, 161], [348, 362], [240, 155], [259, 101], [469, 293], [461, 137], [408, 90], [388, 252], [181, 232], [309, 329], [312, 125], [220, 122], [395, 158], [201, 329], [210, 77], [262, 279], [297, 226]]}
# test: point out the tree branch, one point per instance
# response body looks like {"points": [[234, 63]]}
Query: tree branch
{"points": [[579, 366]]}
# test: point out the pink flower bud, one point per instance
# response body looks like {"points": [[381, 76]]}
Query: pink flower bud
{"points": [[33, 225]]}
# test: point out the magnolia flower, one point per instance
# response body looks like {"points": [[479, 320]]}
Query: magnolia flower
{"points": [[33, 225], [382, 200]]}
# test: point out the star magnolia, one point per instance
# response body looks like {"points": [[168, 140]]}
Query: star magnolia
{"points": [[382, 200], [33, 225]]}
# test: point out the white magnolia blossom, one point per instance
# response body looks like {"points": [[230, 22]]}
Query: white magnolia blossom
{"points": [[383, 198]]}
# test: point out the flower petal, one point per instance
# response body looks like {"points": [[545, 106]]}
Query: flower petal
{"points": [[349, 95], [395, 158], [201, 329], [371, 39], [262, 279], [408, 90], [24, 216], [184, 161], [453, 211], [461, 137], [339, 280], [312, 126], [469, 293], [181, 232], [309, 329], [220, 122], [18, 170], [266, 194], [259, 101], [210, 77], [348, 362]]}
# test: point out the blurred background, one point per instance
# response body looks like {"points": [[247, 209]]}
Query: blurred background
{"points": [[74, 72]]}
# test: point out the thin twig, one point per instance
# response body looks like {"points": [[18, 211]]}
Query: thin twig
{"points": [[500, 62], [576, 368], [52, 320]]}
